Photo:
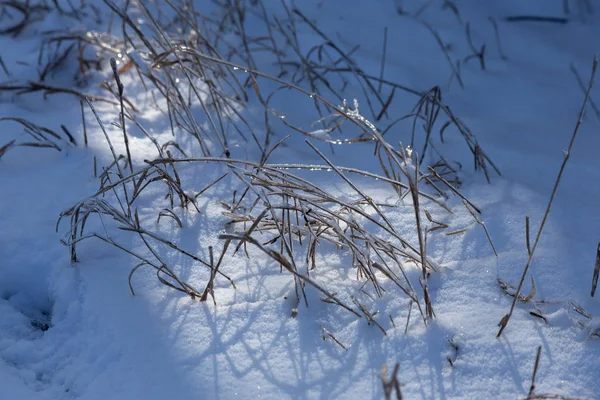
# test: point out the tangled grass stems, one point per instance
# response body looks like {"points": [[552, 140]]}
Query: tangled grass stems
{"points": [[160, 57], [308, 212], [284, 215]]}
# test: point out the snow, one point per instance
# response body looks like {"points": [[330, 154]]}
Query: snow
{"points": [[100, 342]]}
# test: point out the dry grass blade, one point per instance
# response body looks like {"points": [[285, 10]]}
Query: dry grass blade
{"points": [[369, 316], [167, 212], [535, 370], [408, 316], [567, 154], [120, 90], [454, 190], [414, 191], [538, 315], [47, 90], [327, 334], [210, 285], [527, 236], [510, 291], [457, 232]]}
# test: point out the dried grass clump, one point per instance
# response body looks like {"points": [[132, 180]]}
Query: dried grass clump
{"points": [[203, 72]]}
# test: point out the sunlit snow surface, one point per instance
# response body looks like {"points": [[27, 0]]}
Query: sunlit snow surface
{"points": [[76, 332]]}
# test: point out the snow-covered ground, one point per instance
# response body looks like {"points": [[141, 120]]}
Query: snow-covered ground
{"points": [[74, 330]]}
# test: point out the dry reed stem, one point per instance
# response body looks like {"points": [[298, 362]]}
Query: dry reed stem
{"points": [[504, 321]]}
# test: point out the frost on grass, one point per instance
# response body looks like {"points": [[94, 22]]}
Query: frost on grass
{"points": [[280, 212], [208, 88]]}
